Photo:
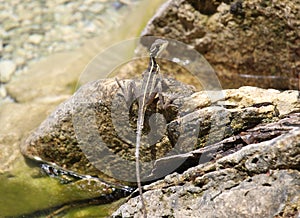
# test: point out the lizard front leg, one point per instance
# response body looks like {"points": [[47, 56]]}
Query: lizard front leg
{"points": [[128, 91]]}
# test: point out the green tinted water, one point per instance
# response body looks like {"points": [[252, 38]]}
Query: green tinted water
{"points": [[26, 191]]}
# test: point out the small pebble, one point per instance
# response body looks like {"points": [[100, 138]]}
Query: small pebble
{"points": [[3, 92], [7, 69], [20, 61], [117, 5], [1, 45], [96, 8], [35, 39], [8, 48], [10, 24]]}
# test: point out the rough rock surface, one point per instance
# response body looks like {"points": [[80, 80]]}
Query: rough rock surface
{"points": [[249, 42], [56, 140], [260, 180]]}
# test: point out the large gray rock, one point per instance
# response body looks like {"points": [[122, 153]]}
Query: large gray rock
{"points": [[248, 42]]}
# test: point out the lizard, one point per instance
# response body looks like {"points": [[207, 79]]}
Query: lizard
{"points": [[150, 87], [148, 91]]}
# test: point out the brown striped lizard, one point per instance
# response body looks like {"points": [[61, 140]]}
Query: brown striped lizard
{"points": [[150, 87]]}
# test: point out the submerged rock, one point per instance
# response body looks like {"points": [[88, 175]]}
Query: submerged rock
{"points": [[7, 69], [249, 42]]}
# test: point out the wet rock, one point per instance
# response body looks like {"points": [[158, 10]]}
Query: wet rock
{"points": [[8, 48], [20, 61], [247, 42], [7, 69]]}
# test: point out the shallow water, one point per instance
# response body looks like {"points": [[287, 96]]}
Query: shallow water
{"points": [[27, 192]]}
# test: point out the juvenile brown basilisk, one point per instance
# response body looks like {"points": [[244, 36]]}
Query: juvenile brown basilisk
{"points": [[150, 87], [145, 94]]}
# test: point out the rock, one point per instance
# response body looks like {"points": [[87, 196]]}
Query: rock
{"points": [[96, 8], [46, 79], [20, 61], [7, 69], [244, 41], [8, 48], [59, 139], [260, 180], [35, 39], [286, 101], [58, 134], [212, 152], [15, 124], [1, 46], [3, 92], [10, 24]]}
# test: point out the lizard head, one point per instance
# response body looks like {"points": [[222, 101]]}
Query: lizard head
{"points": [[157, 47]]}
